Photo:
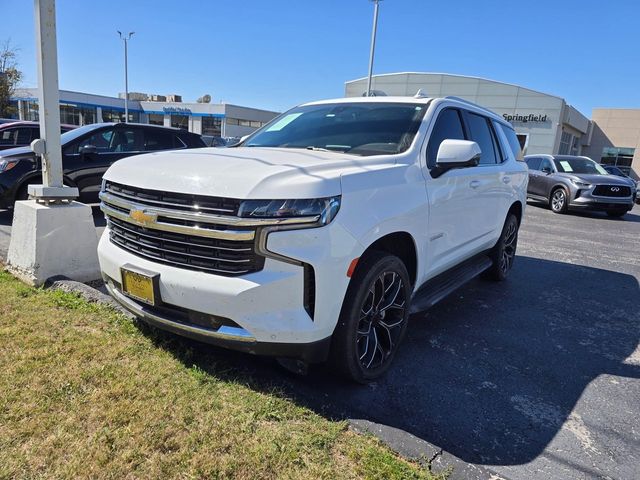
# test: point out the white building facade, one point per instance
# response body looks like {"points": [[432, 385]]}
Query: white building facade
{"points": [[544, 123]]}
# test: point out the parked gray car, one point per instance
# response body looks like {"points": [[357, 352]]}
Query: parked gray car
{"points": [[570, 182]]}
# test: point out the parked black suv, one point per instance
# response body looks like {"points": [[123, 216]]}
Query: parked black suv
{"points": [[87, 152]]}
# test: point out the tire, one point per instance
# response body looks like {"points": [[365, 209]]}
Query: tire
{"points": [[22, 193], [559, 200], [374, 315], [616, 213], [504, 253]]}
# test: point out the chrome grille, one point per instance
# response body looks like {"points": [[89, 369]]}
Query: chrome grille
{"points": [[153, 225], [186, 251], [175, 201]]}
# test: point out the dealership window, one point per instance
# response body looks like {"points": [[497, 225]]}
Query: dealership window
{"points": [[566, 141], [69, 114], [116, 115], [180, 121], [620, 157], [212, 126], [244, 123], [30, 110], [523, 140], [88, 115], [156, 119]]}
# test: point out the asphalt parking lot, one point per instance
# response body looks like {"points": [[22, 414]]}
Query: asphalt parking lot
{"points": [[537, 377]]}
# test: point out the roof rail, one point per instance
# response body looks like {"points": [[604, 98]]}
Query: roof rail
{"points": [[469, 102]]}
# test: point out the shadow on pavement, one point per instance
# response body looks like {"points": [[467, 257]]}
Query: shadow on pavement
{"points": [[6, 217], [490, 374]]}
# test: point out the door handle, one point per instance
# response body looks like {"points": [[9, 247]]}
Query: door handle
{"points": [[506, 179], [474, 183]]}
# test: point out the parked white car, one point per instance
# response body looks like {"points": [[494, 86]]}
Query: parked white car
{"points": [[318, 235]]}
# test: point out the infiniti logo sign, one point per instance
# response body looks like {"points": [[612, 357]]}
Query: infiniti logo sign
{"points": [[615, 189]]}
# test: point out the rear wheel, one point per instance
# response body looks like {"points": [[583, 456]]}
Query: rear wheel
{"points": [[22, 194], [559, 201], [616, 213], [373, 319], [504, 253]]}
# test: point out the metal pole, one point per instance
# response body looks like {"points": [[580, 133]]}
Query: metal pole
{"points": [[48, 94], [373, 45], [126, 83], [125, 39]]}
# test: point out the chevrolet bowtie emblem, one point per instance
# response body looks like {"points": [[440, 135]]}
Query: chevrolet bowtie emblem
{"points": [[140, 216]]}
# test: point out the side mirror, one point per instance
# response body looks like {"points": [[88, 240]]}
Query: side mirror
{"points": [[457, 154], [546, 170], [88, 150]]}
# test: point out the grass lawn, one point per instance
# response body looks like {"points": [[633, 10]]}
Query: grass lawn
{"points": [[85, 393]]}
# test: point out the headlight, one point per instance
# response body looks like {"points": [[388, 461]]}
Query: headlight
{"points": [[580, 184], [323, 208], [7, 165]]}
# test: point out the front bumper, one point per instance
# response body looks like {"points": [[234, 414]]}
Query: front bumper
{"points": [[233, 338], [266, 308], [584, 199]]}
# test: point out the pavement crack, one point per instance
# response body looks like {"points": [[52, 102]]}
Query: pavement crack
{"points": [[433, 458]]}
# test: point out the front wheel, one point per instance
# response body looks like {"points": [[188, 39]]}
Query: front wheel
{"points": [[504, 253], [373, 319], [559, 201]]}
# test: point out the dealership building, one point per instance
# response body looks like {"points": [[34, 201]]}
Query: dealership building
{"points": [[616, 138], [216, 119], [544, 123]]}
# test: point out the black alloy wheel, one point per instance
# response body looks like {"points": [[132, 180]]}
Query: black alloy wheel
{"points": [[382, 316], [504, 253], [373, 319]]}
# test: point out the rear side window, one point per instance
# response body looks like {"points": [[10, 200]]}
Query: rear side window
{"points": [[24, 136], [156, 139], [8, 136], [512, 138], [481, 134], [448, 127], [533, 163]]}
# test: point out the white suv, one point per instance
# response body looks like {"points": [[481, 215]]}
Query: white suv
{"points": [[318, 235]]}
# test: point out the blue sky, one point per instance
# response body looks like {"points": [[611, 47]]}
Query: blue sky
{"points": [[278, 53]]}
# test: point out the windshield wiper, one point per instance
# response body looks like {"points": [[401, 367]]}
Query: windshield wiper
{"points": [[322, 149]]}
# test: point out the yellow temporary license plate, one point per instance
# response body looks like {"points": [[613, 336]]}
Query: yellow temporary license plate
{"points": [[138, 286]]}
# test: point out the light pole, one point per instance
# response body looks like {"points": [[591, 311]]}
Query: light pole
{"points": [[125, 38], [373, 44]]}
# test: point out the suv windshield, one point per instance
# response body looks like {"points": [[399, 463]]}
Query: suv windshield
{"points": [[356, 128], [78, 132], [579, 165]]}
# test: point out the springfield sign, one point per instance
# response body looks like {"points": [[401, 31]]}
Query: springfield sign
{"points": [[532, 117]]}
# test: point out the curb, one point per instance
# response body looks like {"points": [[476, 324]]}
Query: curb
{"points": [[420, 451], [91, 293]]}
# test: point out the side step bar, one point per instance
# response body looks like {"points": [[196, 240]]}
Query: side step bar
{"points": [[446, 283]]}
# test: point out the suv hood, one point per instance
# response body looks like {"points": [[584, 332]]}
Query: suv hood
{"points": [[599, 179], [243, 172], [20, 152]]}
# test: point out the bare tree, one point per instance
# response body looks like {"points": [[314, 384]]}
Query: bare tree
{"points": [[10, 77]]}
